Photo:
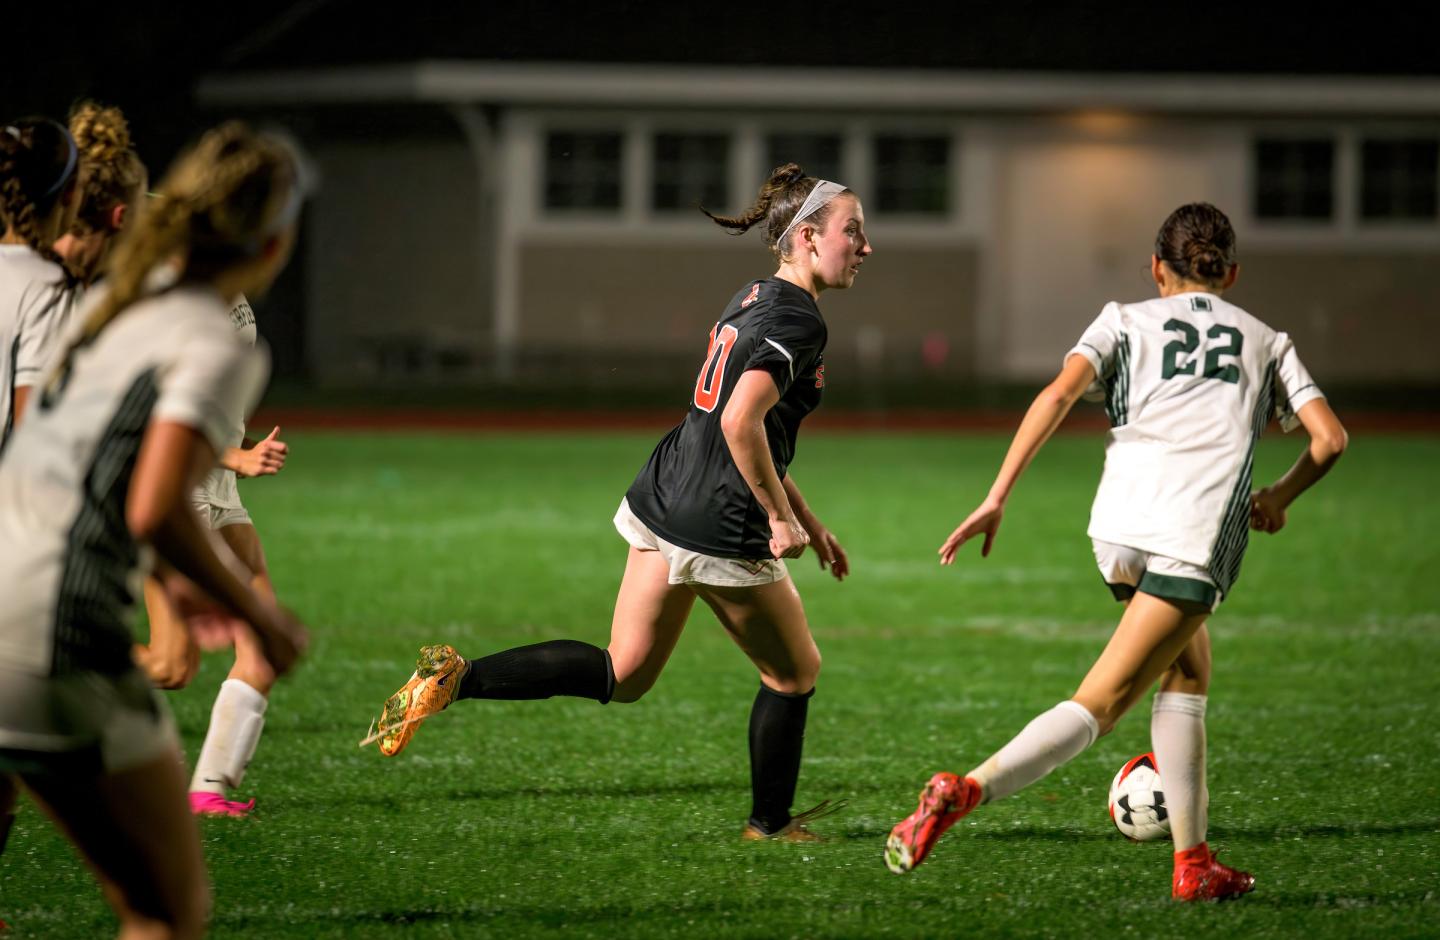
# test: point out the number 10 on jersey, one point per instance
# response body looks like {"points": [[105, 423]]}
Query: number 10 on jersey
{"points": [[712, 373]]}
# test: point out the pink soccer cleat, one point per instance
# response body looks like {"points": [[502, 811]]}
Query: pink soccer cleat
{"points": [[945, 799], [205, 803]]}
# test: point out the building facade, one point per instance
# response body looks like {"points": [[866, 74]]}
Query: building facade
{"points": [[516, 223]]}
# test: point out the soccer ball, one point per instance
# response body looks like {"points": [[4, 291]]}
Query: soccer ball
{"points": [[1137, 802]]}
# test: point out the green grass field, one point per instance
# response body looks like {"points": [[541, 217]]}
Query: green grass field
{"points": [[568, 818]]}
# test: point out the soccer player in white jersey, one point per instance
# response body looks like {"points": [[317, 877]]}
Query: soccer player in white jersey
{"points": [[171, 658], [40, 180], [1190, 382], [95, 484], [40, 184]]}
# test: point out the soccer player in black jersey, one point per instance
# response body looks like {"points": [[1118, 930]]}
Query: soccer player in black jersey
{"points": [[713, 515]]}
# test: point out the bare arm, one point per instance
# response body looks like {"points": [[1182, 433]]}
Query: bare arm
{"points": [[1328, 441], [257, 458], [743, 424], [1045, 414], [827, 547], [173, 458]]}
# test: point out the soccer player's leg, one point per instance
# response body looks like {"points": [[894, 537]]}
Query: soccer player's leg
{"points": [[1177, 734], [1150, 637], [134, 828], [650, 613], [238, 715], [767, 621]]}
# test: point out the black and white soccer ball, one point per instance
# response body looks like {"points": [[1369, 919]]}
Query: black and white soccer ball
{"points": [[1137, 801]]}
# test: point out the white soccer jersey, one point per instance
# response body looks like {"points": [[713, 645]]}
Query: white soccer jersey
{"points": [[242, 318], [68, 565], [34, 307], [1190, 383], [218, 490]]}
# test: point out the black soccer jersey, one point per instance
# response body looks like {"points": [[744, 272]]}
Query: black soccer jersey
{"points": [[690, 492]]}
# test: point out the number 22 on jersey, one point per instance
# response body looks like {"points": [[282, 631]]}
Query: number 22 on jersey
{"points": [[712, 373]]}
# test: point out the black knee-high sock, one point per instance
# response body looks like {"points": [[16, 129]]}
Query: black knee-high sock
{"points": [[559, 667], [777, 734], [6, 821]]}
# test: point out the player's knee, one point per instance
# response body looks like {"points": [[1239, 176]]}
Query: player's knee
{"points": [[632, 686], [799, 679], [254, 670]]}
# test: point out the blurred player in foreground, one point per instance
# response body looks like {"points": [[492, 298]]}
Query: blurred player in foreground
{"points": [[1190, 382], [95, 484], [712, 515], [40, 192]]}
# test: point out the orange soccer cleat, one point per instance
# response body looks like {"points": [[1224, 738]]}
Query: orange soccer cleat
{"points": [[1199, 876], [431, 689], [797, 829], [945, 799]]}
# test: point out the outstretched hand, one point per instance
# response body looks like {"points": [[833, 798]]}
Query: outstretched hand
{"points": [[985, 519]]}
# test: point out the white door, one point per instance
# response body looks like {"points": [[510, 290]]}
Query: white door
{"points": [[1080, 218]]}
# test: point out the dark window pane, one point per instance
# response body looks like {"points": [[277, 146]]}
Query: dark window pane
{"points": [[817, 154], [1294, 179], [582, 171], [912, 174], [1398, 179], [691, 170]]}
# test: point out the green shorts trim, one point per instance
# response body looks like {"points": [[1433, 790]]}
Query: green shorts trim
{"points": [[1171, 588], [1122, 592]]}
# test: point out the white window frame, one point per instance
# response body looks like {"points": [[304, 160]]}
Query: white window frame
{"points": [[1345, 230]]}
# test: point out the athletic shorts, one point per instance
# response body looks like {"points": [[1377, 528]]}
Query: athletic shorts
{"points": [[217, 500], [1127, 570], [84, 723], [687, 567]]}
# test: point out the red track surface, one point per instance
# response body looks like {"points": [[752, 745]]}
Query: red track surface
{"points": [[412, 419]]}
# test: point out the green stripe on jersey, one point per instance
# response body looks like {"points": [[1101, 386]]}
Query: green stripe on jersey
{"points": [[1117, 387], [1234, 535]]}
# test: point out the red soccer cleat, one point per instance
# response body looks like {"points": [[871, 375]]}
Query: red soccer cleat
{"points": [[945, 799], [1199, 876]]}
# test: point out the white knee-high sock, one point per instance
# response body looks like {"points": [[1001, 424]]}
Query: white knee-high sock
{"points": [[235, 724], [1177, 733], [1048, 741]]}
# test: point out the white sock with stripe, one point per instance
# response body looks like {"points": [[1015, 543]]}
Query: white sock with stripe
{"points": [[235, 724], [1177, 734], [1048, 741]]}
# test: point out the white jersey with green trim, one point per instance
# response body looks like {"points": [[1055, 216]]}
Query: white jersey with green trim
{"points": [[68, 563], [1190, 382], [35, 305]]}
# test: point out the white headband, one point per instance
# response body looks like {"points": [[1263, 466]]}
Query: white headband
{"points": [[818, 199]]}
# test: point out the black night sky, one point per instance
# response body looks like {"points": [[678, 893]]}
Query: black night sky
{"points": [[145, 55]]}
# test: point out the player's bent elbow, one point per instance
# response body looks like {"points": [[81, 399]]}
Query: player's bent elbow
{"points": [[1058, 397], [1336, 441], [734, 424]]}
